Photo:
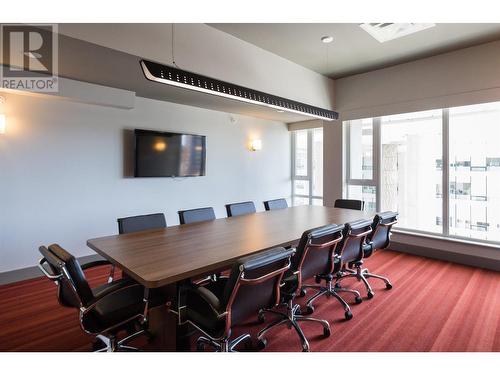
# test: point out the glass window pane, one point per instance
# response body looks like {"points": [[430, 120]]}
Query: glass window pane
{"points": [[301, 187], [361, 149], [317, 162], [301, 153], [475, 171], [300, 201], [317, 202], [411, 176], [368, 194]]}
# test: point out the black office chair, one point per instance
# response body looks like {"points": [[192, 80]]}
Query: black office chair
{"points": [[216, 307], [378, 239], [275, 204], [196, 215], [340, 252], [353, 252], [105, 310], [352, 204], [238, 209], [141, 222], [314, 256]]}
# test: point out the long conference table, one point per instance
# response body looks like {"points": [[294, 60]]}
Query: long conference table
{"points": [[164, 258]]}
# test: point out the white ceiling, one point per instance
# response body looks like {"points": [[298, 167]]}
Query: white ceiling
{"points": [[353, 50]]}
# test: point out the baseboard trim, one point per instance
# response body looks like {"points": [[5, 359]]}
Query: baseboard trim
{"points": [[32, 272], [449, 256]]}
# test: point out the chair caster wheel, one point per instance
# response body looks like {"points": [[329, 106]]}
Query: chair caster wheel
{"points": [[261, 343], [302, 293], [370, 295], [200, 347], [338, 286], [305, 348], [309, 309], [358, 300], [348, 315], [388, 286], [326, 332], [261, 318]]}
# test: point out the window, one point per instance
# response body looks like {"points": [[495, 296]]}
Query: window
{"points": [[307, 167], [410, 181], [401, 163], [361, 182], [474, 173], [361, 149]]}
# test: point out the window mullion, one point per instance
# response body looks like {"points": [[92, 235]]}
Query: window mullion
{"points": [[348, 151], [377, 160], [309, 162], [445, 171]]}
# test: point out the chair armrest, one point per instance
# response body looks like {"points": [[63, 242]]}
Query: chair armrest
{"points": [[107, 292], [112, 287], [198, 295], [96, 263]]}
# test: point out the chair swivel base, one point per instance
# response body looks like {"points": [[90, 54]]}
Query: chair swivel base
{"points": [[330, 290], [362, 274], [220, 345], [291, 318], [112, 344]]}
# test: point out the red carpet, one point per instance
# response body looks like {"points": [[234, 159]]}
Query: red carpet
{"points": [[434, 306]]}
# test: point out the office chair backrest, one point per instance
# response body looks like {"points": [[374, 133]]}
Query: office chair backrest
{"points": [[351, 247], [352, 204], [254, 283], [73, 288], [196, 215], [275, 204], [141, 222], [381, 226], [315, 251], [243, 208]]}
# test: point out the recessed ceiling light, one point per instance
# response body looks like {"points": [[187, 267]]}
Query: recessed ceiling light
{"points": [[280, 111], [385, 31], [327, 39]]}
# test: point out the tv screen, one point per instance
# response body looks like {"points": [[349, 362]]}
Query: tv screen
{"points": [[159, 154]]}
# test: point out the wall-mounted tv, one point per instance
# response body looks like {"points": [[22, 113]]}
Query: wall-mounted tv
{"points": [[160, 154]]}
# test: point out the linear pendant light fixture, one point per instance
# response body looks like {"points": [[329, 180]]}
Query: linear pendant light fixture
{"points": [[180, 78]]}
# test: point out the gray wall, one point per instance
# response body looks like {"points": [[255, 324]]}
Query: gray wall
{"points": [[62, 170]]}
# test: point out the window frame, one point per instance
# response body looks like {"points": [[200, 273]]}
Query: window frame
{"points": [[309, 176]]}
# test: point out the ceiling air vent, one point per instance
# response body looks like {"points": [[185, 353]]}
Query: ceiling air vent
{"points": [[180, 78], [384, 32]]}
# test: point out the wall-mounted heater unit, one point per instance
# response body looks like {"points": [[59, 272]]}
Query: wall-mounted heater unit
{"points": [[180, 78]]}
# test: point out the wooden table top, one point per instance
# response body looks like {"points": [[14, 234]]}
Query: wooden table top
{"points": [[159, 257]]}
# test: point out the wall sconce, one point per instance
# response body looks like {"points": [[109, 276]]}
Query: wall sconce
{"points": [[256, 145]]}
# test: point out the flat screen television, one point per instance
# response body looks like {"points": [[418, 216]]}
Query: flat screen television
{"points": [[160, 154]]}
